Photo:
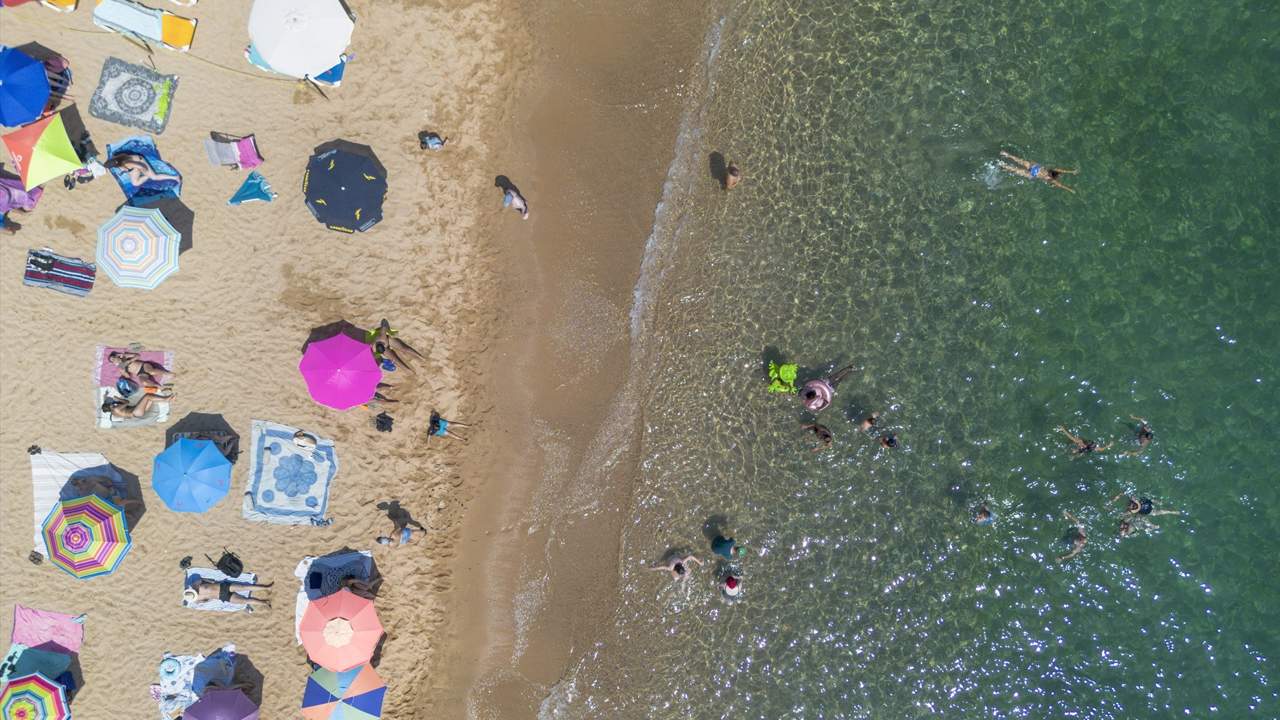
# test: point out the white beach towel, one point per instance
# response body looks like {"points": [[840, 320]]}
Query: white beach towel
{"points": [[158, 415], [215, 576], [49, 472], [300, 604], [288, 484]]}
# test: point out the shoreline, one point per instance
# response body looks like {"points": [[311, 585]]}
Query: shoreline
{"points": [[536, 574]]}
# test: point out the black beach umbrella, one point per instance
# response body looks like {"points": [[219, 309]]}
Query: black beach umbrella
{"points": [[206, 426], [181, 217], [339, 327], [344, 186]]}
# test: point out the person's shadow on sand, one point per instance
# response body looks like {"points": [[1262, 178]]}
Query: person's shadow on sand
{"points": [[719, 169]]}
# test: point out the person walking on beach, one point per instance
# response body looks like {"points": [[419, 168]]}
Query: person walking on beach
{"points": [[678, 566], [1034, 171], [1082, 446], [821, 433], [817, 394], [1143, 434], [1075, 536], [428, 140], [727, 548]]}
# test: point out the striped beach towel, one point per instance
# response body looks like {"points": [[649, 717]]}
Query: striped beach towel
{"points": [[69, 275], [49, 472]]}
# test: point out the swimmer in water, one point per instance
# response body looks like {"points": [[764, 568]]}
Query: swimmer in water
{"points": [[731, 586], [1142, 506], [1076, 536], [888, 441], [1034, 171], [817, 394], [868, 422], [1143, 434], [984, 516], [822, 433], [679, 566], [732, 176], [1082, 446]]}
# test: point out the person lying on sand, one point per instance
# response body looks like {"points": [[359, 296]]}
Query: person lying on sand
{"points": [[86, 485], [202, 589], [137, 169], [121, 409], [1034, 171], [817, 394], [439, 427], [1082, 446], [387, 346], [132, 366], [678, 566], [8, 225]]}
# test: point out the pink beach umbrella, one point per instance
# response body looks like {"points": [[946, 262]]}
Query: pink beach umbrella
{"points": [[340, 631], [340, 372]]}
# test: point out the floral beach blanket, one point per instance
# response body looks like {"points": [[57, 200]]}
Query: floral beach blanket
{"points": [[133, 95], [290, 472]]}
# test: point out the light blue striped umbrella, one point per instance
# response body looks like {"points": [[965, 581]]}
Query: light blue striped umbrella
{"points": [[138, 248]]}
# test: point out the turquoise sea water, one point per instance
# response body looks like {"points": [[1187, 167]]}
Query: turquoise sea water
{"points": [[983, 311]]}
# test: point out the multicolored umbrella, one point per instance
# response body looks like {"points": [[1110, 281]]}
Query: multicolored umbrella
{"points": [[344, 186], [354, 694], [42, 151], [222, 704], [33, 697], [340, 372], [300, 37], [191, 475], [340, 631], [138, 248], [86, 536], [24, 87]]}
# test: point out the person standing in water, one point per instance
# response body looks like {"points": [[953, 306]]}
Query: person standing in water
{"points": [[1075, 536], [984, 516], [727, 548], [1082, 446], [817, 394], [822, 433], [1034, 171], [869, 422], [732, 176], [678, 566], [731, 586]]}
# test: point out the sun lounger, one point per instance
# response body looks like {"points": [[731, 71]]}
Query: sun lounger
{"points": [[240, 153], [213, 575], [144, 23]]}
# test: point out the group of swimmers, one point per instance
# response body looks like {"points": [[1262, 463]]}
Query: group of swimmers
{"points": [[729, 577]]}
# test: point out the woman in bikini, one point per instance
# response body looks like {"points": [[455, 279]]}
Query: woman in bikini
{"points": [[1142, 506], [137, 169], [134, 367], [817, 394], [120, 409], [1035, 171], [1075, 536], [1082, 446], [388, 346], [1144, 435]]}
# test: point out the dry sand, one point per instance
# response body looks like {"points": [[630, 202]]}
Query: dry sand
{"points": [[260, 276]]}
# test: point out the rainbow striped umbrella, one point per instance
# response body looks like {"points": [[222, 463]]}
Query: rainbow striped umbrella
{"points": [[33, 697], [138, 248], [86, 536]]}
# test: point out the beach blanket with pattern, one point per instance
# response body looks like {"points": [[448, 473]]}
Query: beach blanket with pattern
{"points": [[288, 483], [69, 275], [145, 148], [105, 376], [50, 472], [133, 95]]}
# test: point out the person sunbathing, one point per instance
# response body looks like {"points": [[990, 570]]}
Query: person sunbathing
{"points": [[120, 409], [388, 346], [201, 590], [439, 427], [86, 485], [137, 169], [146, 372]]}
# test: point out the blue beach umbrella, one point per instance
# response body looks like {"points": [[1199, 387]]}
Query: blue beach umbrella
{"points": [[191, 475], [24, 88]]}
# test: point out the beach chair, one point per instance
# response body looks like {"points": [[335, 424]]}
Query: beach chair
{"points": [[240, 153], [137, 21], [60, 5]]}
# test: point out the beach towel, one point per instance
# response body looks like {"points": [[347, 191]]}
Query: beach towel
{"points": [[13, 196], [50, 471], [174, 693], [254, 187], [145, 148], [157, 415], [47, 630], [69, 275], [194, 574], [360, 567], [288, 484], [105, 376], [133, 95]]}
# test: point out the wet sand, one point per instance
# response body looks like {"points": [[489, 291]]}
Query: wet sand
{"points": [[595, 117]]}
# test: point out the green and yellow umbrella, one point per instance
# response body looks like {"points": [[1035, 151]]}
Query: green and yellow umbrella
{"points": [[33, 697], [42, 151], [86, 536]]}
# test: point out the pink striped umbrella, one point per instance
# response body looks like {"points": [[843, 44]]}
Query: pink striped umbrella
{"points": [[340, 371]]}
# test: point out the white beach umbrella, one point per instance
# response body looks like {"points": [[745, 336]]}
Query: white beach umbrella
{"points": [[300, 37]]}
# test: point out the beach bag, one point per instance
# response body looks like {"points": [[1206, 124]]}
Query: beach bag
{"points": [[228, 564]]}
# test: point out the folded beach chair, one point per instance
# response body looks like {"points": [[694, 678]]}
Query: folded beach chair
{"points": [[213, 575], [240, 153], [140, 22]]}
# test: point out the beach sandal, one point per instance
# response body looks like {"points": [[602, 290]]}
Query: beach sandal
{"points": [[165, 393]]}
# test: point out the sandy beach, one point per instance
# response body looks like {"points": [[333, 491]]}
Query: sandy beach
{"points": [[259, 277]]}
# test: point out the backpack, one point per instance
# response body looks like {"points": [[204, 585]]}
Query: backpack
{"points": [[228, 564]]}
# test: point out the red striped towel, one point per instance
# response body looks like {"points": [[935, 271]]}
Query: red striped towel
{"points": [[69, 275]]}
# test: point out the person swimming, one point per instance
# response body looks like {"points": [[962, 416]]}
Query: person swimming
{"points": [[984, 516], [1076, 537], [822, 433], [869, 422], [1142, 506], [1082, 446], [817, 394], [889, 441], [1034, 171], [678, 566], [1143, 434]]}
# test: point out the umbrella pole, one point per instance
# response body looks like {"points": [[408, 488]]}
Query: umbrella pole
{"points": [[315, 87]]}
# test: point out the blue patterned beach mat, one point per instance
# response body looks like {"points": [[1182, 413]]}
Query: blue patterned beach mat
{"points": [[288, 482]]}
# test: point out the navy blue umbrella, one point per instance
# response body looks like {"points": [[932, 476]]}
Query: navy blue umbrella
{"points": [[328, 572], [344, 186]]}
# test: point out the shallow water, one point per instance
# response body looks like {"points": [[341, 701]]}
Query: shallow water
{"points": [[982, 311]]}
